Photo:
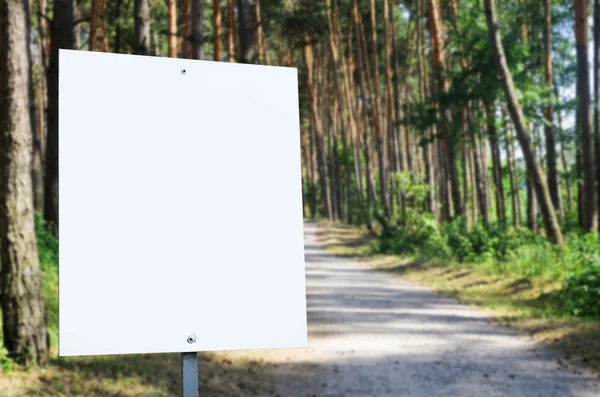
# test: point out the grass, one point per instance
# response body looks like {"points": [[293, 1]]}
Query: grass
{"points": [[524, 304], [150, 375]]}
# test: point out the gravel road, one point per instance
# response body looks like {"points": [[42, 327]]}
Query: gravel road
{"points": [[373, 334]]}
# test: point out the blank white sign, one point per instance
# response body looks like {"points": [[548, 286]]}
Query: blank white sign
{"points": [[180, 206]]}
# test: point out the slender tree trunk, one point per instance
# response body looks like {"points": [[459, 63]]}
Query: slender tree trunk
{"points": [[351, 104], [245, 31], [496, 160], [514, 190], [185, 28], [480, 182], [427, 146], [37, 174], [597, 97], [465, 172], [379, 134], [447, 143], [142, 27], [311, 164], [313, 107], [473, 178], [196, 30], [61, 37], [230, 31], [587, 141], [217, 30], [563, 157], [548, 115], [514, 108], [339, 68], [172, 28], [390, 61], [98, 26], [117, 42], [23, 312]]}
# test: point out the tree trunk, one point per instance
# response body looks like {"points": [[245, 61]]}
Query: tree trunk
{"points": [[514, 108], [61, 37], [172, 28], [512, 179], [587, 142], [548, 115], [217, 30], [563, 157], [351, 103], [23, 313], [37, 174], [185, 27], [337, 69], [245, 31], [98, 26], [230, 31], [379, 135], [465, 172], [315, 121], [496, 160], [142, 27], [480, 186], [197, 31], [117, 42], [597, 97], [447, 143]]}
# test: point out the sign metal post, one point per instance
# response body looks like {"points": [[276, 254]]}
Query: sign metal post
{"points": [[189, 374]]}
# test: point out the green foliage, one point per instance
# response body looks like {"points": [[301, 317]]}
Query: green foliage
{"points": [[48, 253], [502, 249], [580, 294]]}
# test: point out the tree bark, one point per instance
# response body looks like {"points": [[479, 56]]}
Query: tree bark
{"points": [[563, 157], [217, 29], [98, 26], [379, 133], [142, 27], [339, 71], [514, 108], [496, 160], [23, 312], [587, 142], [230, 31], [316, 123], [185, 28], [597, 97], [480, 186], [61, 37], [447, 143], [548, 115], [172, 28], [245, 31], [197, 30], [37, 169]]}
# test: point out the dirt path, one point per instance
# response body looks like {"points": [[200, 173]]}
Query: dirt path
{"points": [[371, 334]]}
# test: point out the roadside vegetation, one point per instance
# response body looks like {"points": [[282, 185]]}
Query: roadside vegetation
{"points": [[519, 278]]}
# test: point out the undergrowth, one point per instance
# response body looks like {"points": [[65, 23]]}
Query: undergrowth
{"points": [[500, 248]]}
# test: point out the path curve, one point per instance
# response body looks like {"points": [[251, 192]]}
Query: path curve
{"points": [[373, 334]]}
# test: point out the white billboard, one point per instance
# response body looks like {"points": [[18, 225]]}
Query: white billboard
{"points": [[180, 206]]}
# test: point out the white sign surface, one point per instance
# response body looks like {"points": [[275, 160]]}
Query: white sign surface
{"points": [[180, 206]]}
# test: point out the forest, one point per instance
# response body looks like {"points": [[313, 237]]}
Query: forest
{"points": [[459, 131]]}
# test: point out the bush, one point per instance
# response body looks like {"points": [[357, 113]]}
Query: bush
{"points": [[500, 248], [580, 295]]}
